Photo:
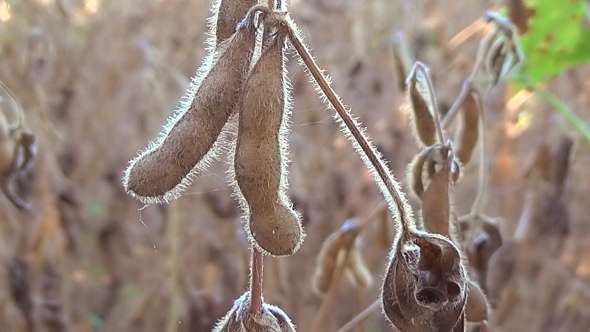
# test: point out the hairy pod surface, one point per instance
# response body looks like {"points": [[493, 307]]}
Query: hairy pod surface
{"points": [[229, 14], [402, 59], [425, 285], [285, 323], [423, 127], [416, 169], [468, 133], [459, 325], [476, 308], [260, 160], [331, 252], [436, 203], [426, 161], [240, 319], [185, 146]]}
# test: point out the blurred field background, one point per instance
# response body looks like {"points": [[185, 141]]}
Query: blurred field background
{"points": [[96, 80]]}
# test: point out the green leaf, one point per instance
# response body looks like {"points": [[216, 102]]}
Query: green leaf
{"points": [[556, 39]]}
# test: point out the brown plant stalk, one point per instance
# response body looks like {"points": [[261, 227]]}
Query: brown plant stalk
{"points": [[256, 273], [390, 188]]}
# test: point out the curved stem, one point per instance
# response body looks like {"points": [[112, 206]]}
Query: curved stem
{"points": [[482, 50], [478, 203], [372, 160]]}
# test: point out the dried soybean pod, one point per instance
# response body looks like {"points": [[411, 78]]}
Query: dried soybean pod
{"points": [[468, 133], [460, 325], [6, 145], [402, 59], [332, 250], [560, 162], [482, 248], [476, 308], [539, 163], [436, 203], [424, 288], [416, 169], [230, 322], [260, 159], [495, 59], [284, 321], [16, 153], [423, 128], [241, 319], [228, 14], [186, 145], [356, 270]]}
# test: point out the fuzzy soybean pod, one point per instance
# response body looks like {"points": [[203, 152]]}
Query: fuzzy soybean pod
{"points": [[228, 14], [240, 319], [331, 255], [425, 287], [468, 132], [187, 142], [261, 156], [423, 123]]}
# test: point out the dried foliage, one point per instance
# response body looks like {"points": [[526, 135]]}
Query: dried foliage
{"points": [[499, 242]]}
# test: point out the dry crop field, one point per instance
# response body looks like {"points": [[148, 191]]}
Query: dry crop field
{"points": [[395, 194]]}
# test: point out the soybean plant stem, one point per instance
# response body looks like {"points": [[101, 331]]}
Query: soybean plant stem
{"points": [[482, 50], [478, 203], [361, 316], [372, 160], [256, 270]]}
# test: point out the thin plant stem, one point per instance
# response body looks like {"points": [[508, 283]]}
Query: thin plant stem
{"points": [[467, 86], [372, 216], [361, 316], [465, 34], [478, 203], [482, 50], [256, 271], [173, 235], [404, 212]]}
